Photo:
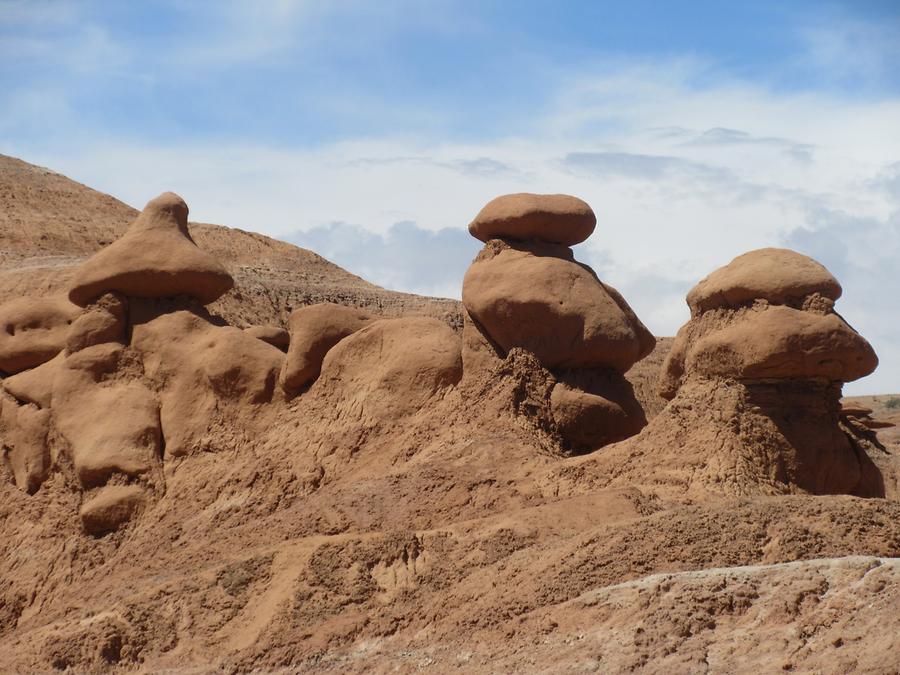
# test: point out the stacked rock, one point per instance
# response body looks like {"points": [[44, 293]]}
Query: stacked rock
{"points": [[764, 327], [526, 290]]}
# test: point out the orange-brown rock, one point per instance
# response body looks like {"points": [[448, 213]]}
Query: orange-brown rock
{"points": [[35, 385], [558, 219], [315, 329], [275, 336], [392, 367], [102, 321], [776, 274], [755, 387], [23, 441], [155, 258], [111, 425], [201, 369], [33, 331], [370, 525], [592, 420], [538, 298], [782, 342], [110, 508]]}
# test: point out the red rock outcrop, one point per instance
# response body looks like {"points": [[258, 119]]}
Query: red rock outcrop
{"points": [[396, 514], [314, 330]]}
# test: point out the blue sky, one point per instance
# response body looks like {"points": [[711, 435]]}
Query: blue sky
{"points": [[373, 131]]}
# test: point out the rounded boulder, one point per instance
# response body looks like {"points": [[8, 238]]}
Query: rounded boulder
{"points": [[777, 275], [540, 299], [558, 219], [782, 342], [392, 367], [33, 331]]}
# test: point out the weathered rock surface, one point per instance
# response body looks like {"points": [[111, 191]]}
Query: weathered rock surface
{"points": [[35, 385], [315, 330], [155, 258], [203, 369], [756, 390], [275, 336], [33, 331], [103, 321], [393, 367], [394, 516], [111, 425], [782, 342], [23, 437], [110, 508]]}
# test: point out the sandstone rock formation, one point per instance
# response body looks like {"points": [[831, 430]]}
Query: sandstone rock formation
{"points": [[275, 336], [393, 367], [33, 331], [522, 292], [557, 219], [755, 383], [156, 258], [314, 330], [414, 504], [110, 508]]}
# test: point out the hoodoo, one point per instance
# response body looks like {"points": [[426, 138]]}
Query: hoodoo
{"points": [[526, 290], [754, 381]]}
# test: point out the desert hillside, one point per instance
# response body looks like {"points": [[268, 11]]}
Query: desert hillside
{"points": [[235, 456], [49, 224]]}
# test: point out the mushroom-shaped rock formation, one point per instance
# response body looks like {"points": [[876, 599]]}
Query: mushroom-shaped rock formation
{"points": [[755, 382], [155, 258], [558, 219], [315, 329], [526, 290], [33, 331], [392, 367]]}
